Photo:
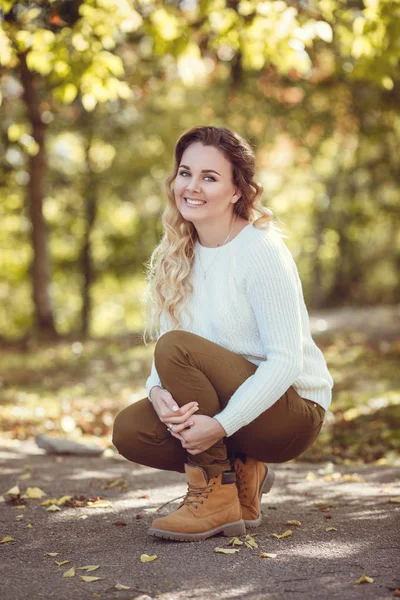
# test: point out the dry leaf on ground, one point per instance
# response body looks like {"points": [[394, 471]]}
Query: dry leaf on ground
{"points": [[116, 483], [53, 508], [285, 534], [331, 529], [267, 555], [146, 558], [51, 553], [34, 493], [119, 586], [395, 500], [89, 578], [99, 504], [69, 573], [235, 542], [250, 542], [29, 526], [14, 491], [49, 501], [365, 579], [294, 522], [63, 500], [226, 550], [7, 539], [89, 568], [61, 562]]}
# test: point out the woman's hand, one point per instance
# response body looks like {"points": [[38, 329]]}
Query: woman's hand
{"points": [[169, 412], [204, 433]]}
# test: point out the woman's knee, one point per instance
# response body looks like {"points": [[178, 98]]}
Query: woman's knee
{"points": [[120, 431], [169, 340]]}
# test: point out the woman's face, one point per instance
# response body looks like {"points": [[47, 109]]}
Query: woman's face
{"points": [[204, 175]]}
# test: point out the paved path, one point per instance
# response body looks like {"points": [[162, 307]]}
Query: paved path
{"points": [[312, 563]]}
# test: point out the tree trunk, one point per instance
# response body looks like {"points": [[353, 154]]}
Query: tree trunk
{"points": [[90, 194], [40, 270]]}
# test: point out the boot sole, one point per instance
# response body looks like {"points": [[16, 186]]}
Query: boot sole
{"points": [[265, 487], [229, 530]]}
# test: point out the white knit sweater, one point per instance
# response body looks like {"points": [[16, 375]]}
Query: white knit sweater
{"points": [[252, 303]]}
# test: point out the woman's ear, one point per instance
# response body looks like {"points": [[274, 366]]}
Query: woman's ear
{"points": [[237, 195]]}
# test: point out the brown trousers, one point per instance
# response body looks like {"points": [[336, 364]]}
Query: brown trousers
{"points": [[193, 368]]}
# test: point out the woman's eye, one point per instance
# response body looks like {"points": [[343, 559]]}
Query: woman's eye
{"points": [[184, 173]]}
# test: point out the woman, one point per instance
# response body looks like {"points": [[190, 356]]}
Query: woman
{"points": [[237, 379]]}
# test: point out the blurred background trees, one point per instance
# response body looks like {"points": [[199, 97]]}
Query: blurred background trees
{"points": [[95, 94]]}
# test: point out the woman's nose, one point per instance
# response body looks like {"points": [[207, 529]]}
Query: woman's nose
{"points": [[193, 185]]}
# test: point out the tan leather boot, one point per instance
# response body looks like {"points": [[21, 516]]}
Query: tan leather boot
{"points": [[210, 506], [254, 479]]}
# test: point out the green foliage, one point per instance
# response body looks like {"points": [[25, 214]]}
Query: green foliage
{"points": [[313, 88]]}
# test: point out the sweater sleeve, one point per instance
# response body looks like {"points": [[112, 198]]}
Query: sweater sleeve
{"points": [[272, 291]]}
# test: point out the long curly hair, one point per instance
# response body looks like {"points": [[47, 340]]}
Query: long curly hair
{"points": [[169, 267]]}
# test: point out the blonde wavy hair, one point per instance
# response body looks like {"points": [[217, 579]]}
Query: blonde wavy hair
{"points": [[169, 267]]}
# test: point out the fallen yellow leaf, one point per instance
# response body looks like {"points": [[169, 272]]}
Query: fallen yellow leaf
{"points": [[53, 508], [227, 550], [88, 578], [119, 586], [394, 500], [63, 500], [34, 493], [69, 573], [19, 507], [49, 502], [235, 542], [2, 499], [250, 542], [89, 568], [310, 476], [353, 477], [19, 517], [61, 562], [7, 539], [298, 523], [146, 558], [51, 553], [99, 504], [331, 529], [29, 526], [14, 491], [365, 579], [25, 476], [285, 534], [115, 483], [267, 555], [83, 517]]}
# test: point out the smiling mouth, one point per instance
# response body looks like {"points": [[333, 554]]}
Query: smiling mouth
{"points": [[194, 203]]}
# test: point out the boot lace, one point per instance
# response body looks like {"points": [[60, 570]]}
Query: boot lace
{"points": [[241, 482], [196, 494]]}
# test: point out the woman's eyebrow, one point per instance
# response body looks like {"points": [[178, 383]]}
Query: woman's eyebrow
{"points": [[203, 171]]}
